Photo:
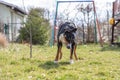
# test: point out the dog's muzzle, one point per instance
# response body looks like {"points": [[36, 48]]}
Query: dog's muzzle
{"points": [[69, 46]]}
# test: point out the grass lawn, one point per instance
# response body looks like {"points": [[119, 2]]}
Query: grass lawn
{"points": [[95, 63]]}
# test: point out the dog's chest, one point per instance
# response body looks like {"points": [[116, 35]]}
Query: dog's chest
{"points": [[62, 38]]}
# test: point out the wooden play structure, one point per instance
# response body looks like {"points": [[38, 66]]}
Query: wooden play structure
{"points": [[114, 21]]}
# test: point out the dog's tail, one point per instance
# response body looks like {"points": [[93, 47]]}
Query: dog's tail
{"points": [[3, 40]]}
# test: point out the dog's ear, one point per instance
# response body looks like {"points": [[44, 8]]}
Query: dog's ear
{"points": [[72, 24], [70, 30], [74, 30], [67, 31]]}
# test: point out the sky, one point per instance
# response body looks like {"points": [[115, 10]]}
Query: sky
{"points": [[42, 3], [50, 4], [33, 3]]}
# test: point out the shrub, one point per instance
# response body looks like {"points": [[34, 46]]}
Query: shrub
{"points": [[38, 25]]}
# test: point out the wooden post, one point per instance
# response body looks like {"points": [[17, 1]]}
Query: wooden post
{"points": [[112, 39], [101, 41], [30, 42]]}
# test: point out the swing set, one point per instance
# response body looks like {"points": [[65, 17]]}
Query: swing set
{"points": [[71, 10]]}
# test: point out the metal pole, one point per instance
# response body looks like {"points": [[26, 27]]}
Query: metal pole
{"points": [[53, 28], [108, 25], [95, 31], [88, 28]]}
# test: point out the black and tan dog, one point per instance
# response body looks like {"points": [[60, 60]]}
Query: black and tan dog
{"points": [[66, 35]]}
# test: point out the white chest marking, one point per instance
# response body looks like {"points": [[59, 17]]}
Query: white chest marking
{"points": [[62, 38]]}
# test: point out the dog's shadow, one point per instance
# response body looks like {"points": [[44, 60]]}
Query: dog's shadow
{"points": [[51, 65]]}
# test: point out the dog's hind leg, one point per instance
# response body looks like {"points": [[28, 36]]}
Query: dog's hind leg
{"points": [[75, 46]]}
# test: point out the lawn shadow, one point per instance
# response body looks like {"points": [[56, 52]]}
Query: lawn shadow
{"points": [[51, 65], [48, 65], [110, 48], [64, 63]]}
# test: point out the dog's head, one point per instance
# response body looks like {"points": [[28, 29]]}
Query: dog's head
{"points": [[70, 35]]}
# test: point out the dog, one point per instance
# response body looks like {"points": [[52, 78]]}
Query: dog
{"points": [[66, 35]]}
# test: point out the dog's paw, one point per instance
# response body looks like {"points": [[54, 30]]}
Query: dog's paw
{"points": [[71, 61], [55, 62], [78, 60]]}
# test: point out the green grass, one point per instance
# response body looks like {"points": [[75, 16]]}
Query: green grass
{"points": [[95, 63]]}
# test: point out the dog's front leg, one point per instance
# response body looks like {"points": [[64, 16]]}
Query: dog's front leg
{"points": [[71, 55], [59, 53], [75, 52], [57, 56]]}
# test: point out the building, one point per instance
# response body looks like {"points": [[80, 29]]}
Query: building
{"points": [[11, 19]]}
